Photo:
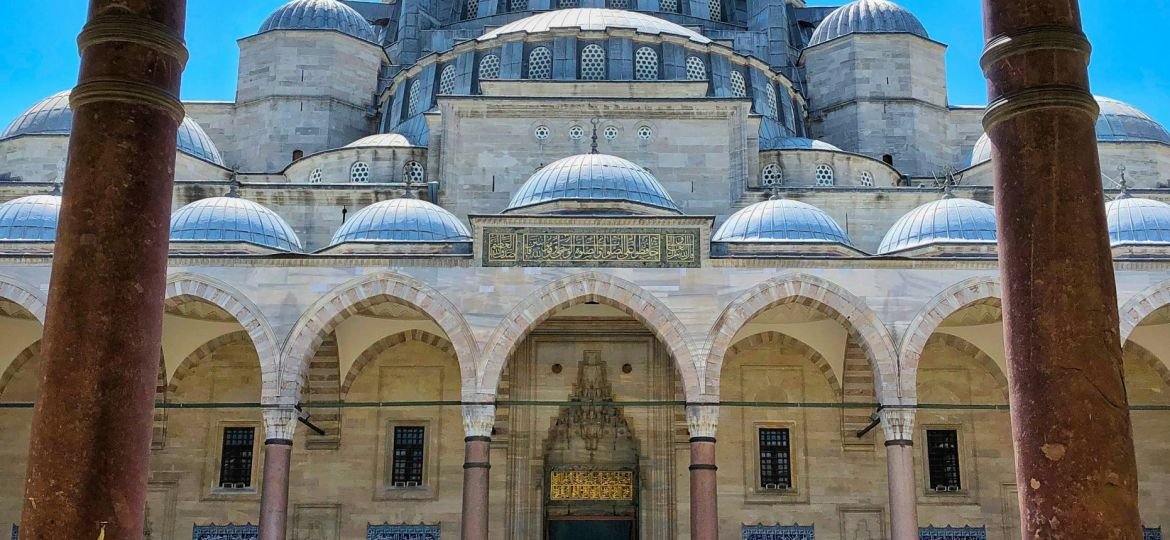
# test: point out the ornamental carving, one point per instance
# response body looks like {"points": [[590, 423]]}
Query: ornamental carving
{"points": [[572, 246], [591, 486]]}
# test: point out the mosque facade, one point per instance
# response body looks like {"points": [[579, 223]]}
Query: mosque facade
{"points": [[662, 265]]}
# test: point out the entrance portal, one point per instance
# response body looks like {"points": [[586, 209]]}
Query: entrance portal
{"points": [[591, 528]]}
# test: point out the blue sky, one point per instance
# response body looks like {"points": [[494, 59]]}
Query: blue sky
{"points": [[40, 56]]}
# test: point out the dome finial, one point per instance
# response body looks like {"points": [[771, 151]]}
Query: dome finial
{"points": [[56, 189], [593, 146], [233, 190], [1123, 183], [776, 193], [948, 189]]}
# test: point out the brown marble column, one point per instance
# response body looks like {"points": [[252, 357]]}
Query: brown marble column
{"points": [[898, 425], [91, 430], [702, 421], [478, 421], [279, 427], [1075, 465]]}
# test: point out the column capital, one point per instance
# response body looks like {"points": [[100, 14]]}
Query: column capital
{"points": [[280, 422], [479, 419], [898, 423], [702, 420]]}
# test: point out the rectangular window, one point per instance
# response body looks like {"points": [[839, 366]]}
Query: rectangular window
{"points": [[942, 456], [407, 467], [775, 459], [235, 469]]}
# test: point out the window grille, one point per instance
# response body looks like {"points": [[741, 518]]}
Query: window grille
{"points": [[568, 3], [866, 179], [696, 69], [489, 67], [472, 9], [576, 133], [235, 465], [771, 175], [618, 4], [645, 64], [16, 532], [952, 533], [773, 106], [447, 81], [775, 459], [226, 532], [716, 7], [316, 176], [541, 133], [668, 6], [645, 133], [414, 98], [778, 532], [1152, 533], [611, 133], [824, 175], [402, 532], [540, 63], [593, 63], [407, 467], [359, 172], [413, 172], [518, 5], [738, 86], [942, 457]]}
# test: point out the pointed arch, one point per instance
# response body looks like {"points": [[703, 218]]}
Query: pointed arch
{"points": [[202, 353], [350, 298], [771, 338], [816, 293], [589, 287], [18, 363], [974, 353], [964, 294], [245, 312], [1160, 366], [389, 342], [24, 295], [1142, 305]]}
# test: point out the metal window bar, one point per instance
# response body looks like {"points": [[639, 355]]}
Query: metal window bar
{"points": [[1152, 533], [235, 469], [775, 459], [407, 468], [942, 456], [387, 531], [952, 533], [226, 532], [778, 532]]}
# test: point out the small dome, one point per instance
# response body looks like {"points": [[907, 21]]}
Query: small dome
{"points": [[232, 219], [796, 143], [1136, 221], [52, 116], [402, 220], [382, 140], [946, 221], [1118, 122], [595, 19], [30, 219], [319, 15], [781, 220], [593, 177], [867, 17]]}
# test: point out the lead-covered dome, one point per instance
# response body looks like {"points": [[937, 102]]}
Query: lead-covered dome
{"points": [[595, 19], [232, 219], [402, 220], [1133, 220], [950, 220], [52, 116], [796, 143], [867, 17], [782, 221], [30, 219], [593, 178], [382, 140], [319, 15]]}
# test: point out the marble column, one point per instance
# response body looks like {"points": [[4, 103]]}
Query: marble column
{"points": [[91, 429], [478, 421], [898, 425], [1075, 466], [702, 421], [280, 425]]}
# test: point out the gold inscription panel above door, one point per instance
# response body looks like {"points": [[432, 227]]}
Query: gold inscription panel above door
{"points": [[591, 485], [606, 247]]}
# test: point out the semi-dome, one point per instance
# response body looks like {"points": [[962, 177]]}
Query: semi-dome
{"points": [[52, 116], [796, 143], [593, 178], [595, 19], [382, 140], [402, 220], [950, 220], [319, 15], [232, 219], [867, 17], [1118, 122], [781, 220], [30, 219], [1133, 220]]}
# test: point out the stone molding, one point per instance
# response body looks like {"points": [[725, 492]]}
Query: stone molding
{"points": [[1142, 305], [966, 293], [702, 420], [479, 419], [24, 295]]}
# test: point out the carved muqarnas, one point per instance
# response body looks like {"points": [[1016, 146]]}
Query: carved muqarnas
{"points": [[592, 429]]}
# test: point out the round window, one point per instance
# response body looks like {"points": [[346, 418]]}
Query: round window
{"points": [[576, 133], [316, 176], [611, 133], [645, 133], [541, 133]]}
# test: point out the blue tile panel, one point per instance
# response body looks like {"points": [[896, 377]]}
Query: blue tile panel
{"points": [[952, 533], [402, 532], [226, 532], [1152, 533], [778, 532]]}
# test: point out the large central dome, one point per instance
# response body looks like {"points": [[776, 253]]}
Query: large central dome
{"points": [[595, 19], [590, 179]]}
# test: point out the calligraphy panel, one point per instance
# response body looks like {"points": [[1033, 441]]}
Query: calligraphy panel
{"points": [[595, 247], [591, 486]]}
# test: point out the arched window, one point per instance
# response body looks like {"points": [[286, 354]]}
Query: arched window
{"points": [[866, 179], [298, 154], [593, 63], [540, 63], [645, 64], [359, 172], [696, 69], [773, 106], [771, 175], [316, 176], [716, 7], [738, 86], [489, 67], [824, 175], [447, 81], [413, 172], [412, 100], [568, 3], [471, 9], [669, 6]]}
